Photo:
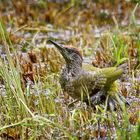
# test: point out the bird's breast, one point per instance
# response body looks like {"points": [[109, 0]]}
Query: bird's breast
{"points": [[67, 83]]}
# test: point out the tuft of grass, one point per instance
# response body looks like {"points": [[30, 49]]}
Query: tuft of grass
{"points": [[41, 111], [120, 50]]}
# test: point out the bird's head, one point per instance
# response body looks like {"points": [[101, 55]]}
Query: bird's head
{"points": [[71, 55]]}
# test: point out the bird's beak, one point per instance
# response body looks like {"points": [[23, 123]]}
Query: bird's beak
{"points": [[61, 49]]}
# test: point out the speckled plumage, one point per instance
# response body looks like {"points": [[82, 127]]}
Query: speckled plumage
{"points": [[82, 81]]}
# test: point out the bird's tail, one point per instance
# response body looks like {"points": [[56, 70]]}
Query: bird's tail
{"points": [[115, 98], [118, 101]]}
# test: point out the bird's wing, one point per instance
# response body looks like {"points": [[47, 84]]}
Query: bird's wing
{"points": [[89, 82], [89, 67], [111, 73], [110, 87]]}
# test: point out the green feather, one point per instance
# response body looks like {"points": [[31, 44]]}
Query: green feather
{"points": [[111, 73]]}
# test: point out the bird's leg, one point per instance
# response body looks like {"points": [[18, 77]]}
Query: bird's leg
{"points": [[98, 98]]}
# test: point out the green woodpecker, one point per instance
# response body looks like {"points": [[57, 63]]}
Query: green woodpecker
{"points": [[83, 81]]}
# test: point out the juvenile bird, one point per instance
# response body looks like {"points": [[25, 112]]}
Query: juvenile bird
{"points": [[85, 82]]}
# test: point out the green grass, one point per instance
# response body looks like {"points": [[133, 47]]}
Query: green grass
{"points": [[120, 50], [41, 111]]}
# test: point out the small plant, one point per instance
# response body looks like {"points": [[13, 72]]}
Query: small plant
{"points": [[120, 50]]}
